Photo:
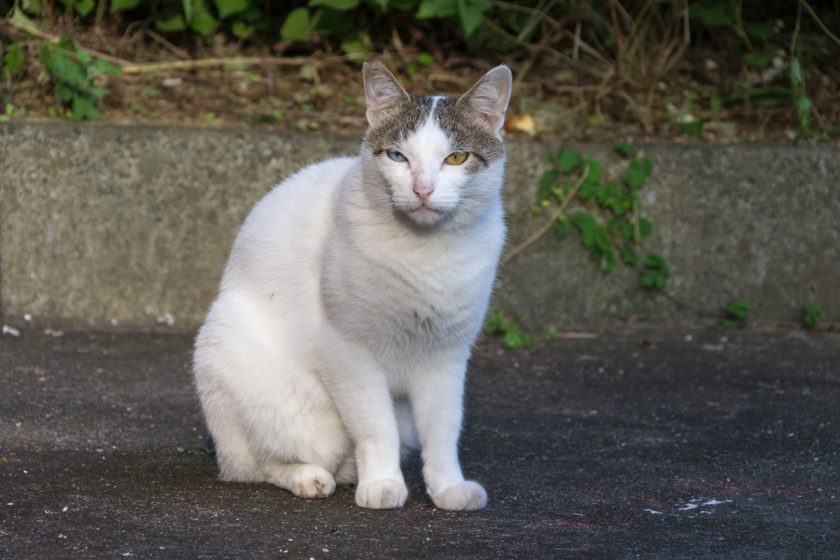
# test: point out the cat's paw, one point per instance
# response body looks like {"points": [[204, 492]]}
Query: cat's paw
{"points": [[466, 496], [311, 481], [382, 494]]}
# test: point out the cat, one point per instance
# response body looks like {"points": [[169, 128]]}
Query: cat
{"points": [[351, 300]]}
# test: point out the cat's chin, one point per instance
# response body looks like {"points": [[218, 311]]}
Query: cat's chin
{"points": [[426, 216]]}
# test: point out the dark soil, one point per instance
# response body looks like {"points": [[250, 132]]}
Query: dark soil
{"points": [[323, 92]]}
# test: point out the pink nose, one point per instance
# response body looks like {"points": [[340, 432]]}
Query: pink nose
{"points": [[423, 187]]}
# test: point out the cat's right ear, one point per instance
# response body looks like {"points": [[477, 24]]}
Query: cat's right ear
{"points": [[383, 93]]}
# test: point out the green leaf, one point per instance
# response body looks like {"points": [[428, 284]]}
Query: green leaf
{"points": [[694, 129], [203, 24], [637, 173], [587, 190], [811, 315], [12, 60], [629, 255], [470, 12], [645, 227], [340, 5], [241, 30], [230, 7], [546, 183], [425, 59], [654, 271], [84, 109], [63, 68], [354, 48], [83, 7], [796, 76], [713, 13], [171, 25], [587, 226], [602, 239], [122, 5], [737, 309], [84, 57], [34, 7], [64, 93], [104, 67], [561, 227], [760, 59], [624, 149], [607, 260], [296, 25], [568, 161], [436, 9], [594, 171]]}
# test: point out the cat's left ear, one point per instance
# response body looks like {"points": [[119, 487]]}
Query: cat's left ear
{"points": [[488, 99], [383, 93]]}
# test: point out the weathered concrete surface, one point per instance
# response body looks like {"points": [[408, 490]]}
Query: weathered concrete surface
{"points": [[638, 444], [131, 223]]}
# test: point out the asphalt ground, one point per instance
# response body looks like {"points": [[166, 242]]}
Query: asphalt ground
{"points": [[643, 442]]}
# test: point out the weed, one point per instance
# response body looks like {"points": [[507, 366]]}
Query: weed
{"points": [[13, 60], [811, 316], [509, 329], [73, 72], [735, 313], [607, 216]]}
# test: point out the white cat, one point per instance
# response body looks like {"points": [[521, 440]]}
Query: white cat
{"points": [[350, 302]]}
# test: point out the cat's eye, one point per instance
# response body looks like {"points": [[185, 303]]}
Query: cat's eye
{"points": [[457, 158], [396, 156]]}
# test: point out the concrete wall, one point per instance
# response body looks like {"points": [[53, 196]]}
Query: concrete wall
{"points": [[101, 222]]}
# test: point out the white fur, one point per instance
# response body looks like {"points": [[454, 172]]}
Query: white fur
{"points": [[341, 331]]}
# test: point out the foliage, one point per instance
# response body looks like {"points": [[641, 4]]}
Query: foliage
{"points": [[607, 216], [735, 313], [509, 329], [73, 72], [12, 61], [811, 316], [802, 103]]}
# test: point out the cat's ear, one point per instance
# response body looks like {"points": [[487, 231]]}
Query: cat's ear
{"points": [[383, 93], [488, 99]]}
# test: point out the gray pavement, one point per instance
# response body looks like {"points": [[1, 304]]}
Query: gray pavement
{"points": [[645, 442]]}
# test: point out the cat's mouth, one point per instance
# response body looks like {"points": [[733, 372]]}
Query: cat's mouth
{"points": [[427, 208], [426, 214]]}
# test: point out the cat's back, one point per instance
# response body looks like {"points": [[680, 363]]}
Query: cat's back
{"points": [[286, 229]]}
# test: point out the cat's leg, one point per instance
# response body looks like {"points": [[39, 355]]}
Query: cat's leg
{"points": [[271, 418], [234, 455], [360, 390], [437, 400], [306, 480], [346, 472]]}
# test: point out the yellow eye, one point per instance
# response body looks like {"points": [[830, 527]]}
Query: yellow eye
{"points": [[457, 158]]}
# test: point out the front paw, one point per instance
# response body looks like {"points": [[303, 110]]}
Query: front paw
{"points": [[465, 496], [382, 494]]}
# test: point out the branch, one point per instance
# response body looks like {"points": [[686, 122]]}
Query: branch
{"points": [[547, 226]]}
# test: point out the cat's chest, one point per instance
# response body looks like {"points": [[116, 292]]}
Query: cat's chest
{"points": [[402, 299]]}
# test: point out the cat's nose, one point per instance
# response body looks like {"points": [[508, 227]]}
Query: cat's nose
{"points": [[423, 186]]}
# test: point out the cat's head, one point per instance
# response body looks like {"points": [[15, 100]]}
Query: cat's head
{"points": [[434, 159]]}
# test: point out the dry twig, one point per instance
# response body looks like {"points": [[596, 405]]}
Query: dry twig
{"points": [[547, 226]]}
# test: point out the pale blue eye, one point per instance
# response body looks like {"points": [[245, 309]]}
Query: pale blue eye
{"points": [[396, 156]]}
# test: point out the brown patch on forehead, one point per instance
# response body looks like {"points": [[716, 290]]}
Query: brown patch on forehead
{"points": [[466, 133], [405, 120]]}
